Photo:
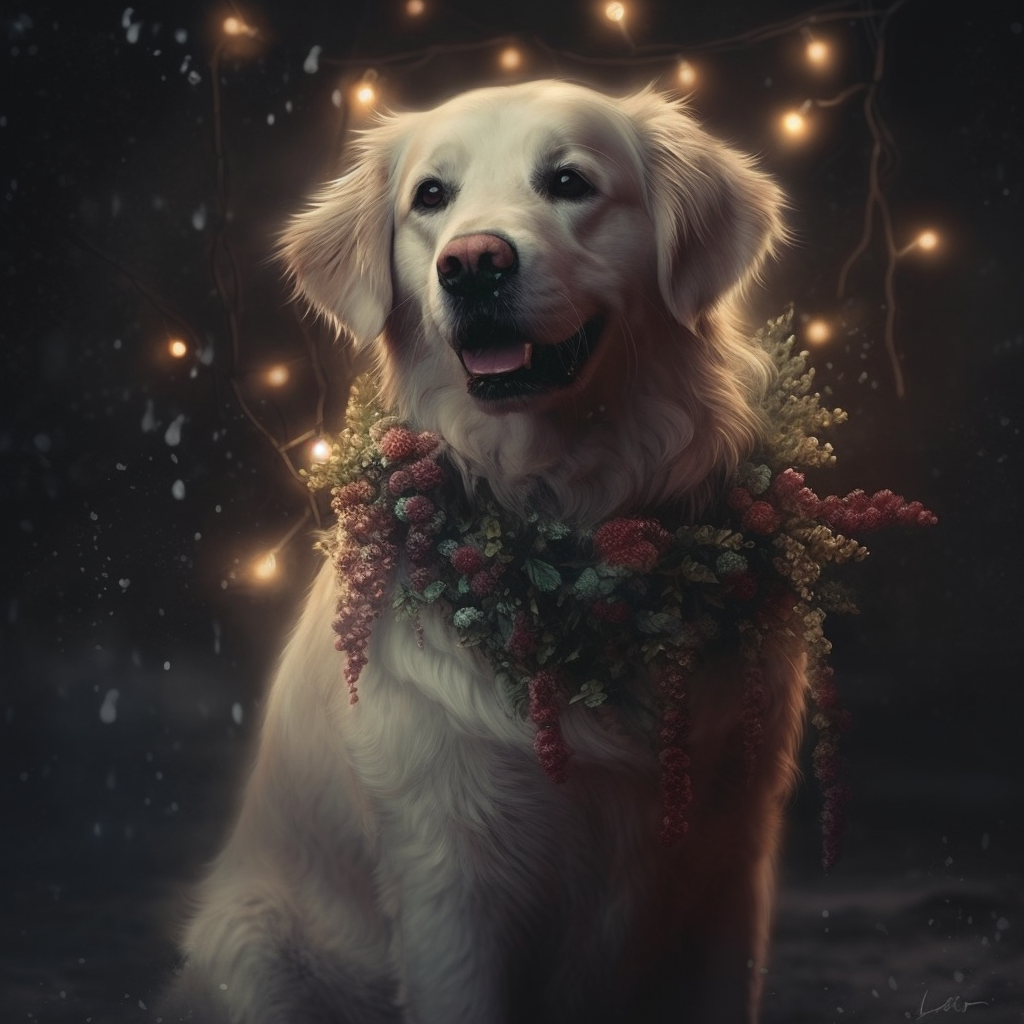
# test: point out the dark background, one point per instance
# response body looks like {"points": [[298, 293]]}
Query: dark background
{"points": [[140, 204]]}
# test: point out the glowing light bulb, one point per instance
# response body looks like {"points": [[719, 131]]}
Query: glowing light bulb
{"points": [[265, 568], [817, 52], [320, 450], [237, 27], [414, 8], [794, 124], [615, 12], [177, 348], [277, 376], [926, 240], [817, 332], [510, 58], [366, 94], [687, 74]]}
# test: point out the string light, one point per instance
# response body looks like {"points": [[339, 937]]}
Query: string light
{"points": [[265, 567], [817, 332], [794, 124], [817, 53], [686, 74], [237, 27], [510, 59], [320, 450], [926, 240], [366, 92]]}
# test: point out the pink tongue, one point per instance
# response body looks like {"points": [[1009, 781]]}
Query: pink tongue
{"points": [[486, 362]]}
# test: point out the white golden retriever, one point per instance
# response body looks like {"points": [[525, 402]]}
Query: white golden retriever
{"points": [[550, 279]]}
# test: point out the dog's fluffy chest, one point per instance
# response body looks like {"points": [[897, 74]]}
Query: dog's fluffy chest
{"points": [[473, 837]]}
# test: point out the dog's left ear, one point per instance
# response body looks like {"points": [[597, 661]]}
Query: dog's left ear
{"points": [[338, 252], [717, 218]]}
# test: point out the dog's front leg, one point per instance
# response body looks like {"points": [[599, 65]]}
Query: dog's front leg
{"points": [[449, 958]]}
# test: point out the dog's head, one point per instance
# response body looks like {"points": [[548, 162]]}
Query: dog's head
{"points": [[539, 247]]}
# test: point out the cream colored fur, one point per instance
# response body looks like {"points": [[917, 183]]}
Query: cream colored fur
{"points": [[404, 859]]}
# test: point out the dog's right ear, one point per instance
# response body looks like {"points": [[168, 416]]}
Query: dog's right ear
{"points": [[338, 252]]}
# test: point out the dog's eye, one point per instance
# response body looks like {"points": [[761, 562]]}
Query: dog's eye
{"points": [[565, 183], [430, 195]]}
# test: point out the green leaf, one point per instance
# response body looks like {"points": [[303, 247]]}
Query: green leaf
{"points": [[505, 625], [592, 693], [697, 573], [542, 575], [544, 653], [434, 591], [658, 623]]}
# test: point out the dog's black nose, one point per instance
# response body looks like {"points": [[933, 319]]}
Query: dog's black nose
{"points": [[476, 265]]}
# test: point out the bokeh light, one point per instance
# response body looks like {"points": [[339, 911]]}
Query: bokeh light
{"points": [[817, 332], [510, 59], [277, 376], [320, 450], [265, 567]]}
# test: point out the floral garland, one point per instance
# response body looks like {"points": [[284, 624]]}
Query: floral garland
{"points": [[566, 616]]}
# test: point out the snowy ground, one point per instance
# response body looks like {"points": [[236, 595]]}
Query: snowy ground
{"points": [[923, 915]]}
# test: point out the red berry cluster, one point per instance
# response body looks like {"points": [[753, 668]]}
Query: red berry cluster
{"points": [[831, 720], [364, 564], [635, 544], [399, 444], [755, 698], [467, 560], [522, 643], [549, 744], [856, 512], [761, 518], [611, 610], [757, 515], [676, 790]]}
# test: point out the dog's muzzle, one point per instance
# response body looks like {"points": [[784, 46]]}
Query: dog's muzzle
{"points": [[501, 362]]}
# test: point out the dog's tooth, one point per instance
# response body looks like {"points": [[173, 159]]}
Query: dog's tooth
{"points": [[528, 355]]}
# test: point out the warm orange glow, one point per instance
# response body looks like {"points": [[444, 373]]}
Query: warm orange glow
{"points": [[366, 94], [510, 58], [817, 52], [320, 450], [926, 240], [615, 12], [265, 568], [414, 8], [277, 376], [817, 332], [237, 27], [687, 74], [794, 124], [177, 348]]}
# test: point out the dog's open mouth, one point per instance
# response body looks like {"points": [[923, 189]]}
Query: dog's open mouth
{"points": [[500, 366]]}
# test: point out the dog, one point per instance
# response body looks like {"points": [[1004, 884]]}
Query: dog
{"points": [[552, 281]]}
